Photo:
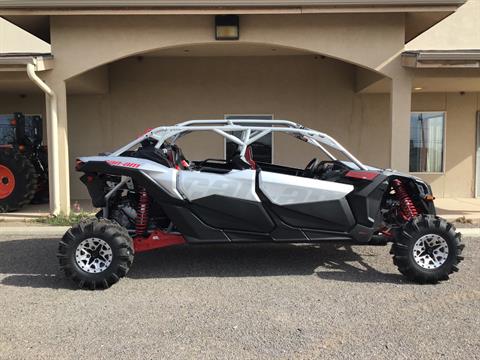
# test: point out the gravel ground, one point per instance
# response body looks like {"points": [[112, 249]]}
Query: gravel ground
{"points": [[230, 302]]}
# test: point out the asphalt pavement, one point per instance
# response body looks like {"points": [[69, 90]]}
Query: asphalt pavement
{"points": [[235, 302]]}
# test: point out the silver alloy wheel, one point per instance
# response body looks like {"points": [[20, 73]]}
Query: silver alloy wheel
{"points": [[93, 255], [430, 251]]}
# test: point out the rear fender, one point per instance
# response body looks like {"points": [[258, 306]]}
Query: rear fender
{"points": [[96, 188], [157, 179]]}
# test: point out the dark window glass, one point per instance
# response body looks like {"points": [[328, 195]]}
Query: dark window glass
{"points": [[427, 131]]}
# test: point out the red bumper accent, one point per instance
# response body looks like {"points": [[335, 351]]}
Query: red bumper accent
{"points": [[156, 240]]}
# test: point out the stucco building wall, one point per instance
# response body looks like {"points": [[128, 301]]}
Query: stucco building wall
{"points": [[120, 95], [83, 43], [315, 91], [458, 180], [460, 30], [16, 40]]}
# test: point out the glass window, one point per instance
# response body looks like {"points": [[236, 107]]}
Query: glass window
{"points": [[427, 141], [261, 149]]}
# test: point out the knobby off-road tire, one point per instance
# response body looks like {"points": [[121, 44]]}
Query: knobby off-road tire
{"points": [[427, 249], [96, 253], [18, 180]]}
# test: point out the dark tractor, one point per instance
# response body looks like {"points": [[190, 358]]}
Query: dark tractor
{"points": [[23, 162]]}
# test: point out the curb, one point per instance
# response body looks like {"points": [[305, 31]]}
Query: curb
{"points": [[34, 230], [469, 231], [22, 218]]}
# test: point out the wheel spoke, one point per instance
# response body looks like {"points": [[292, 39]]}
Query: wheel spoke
{"points": [[430, 251], [93, 255]]}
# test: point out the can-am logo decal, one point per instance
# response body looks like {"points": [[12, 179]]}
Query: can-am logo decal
{"points": [[122, 163]]}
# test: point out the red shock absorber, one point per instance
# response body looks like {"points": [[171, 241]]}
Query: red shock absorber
{"points": [[408, 210], [141, 222]]}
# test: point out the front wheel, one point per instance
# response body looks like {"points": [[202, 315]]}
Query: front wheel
{"points": [[96, 253], [427, 249]]}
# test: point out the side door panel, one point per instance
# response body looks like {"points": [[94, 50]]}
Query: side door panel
{"points": [[225, 201], [308, 203]]}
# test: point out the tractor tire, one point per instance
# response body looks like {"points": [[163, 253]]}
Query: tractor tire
{"points": [[96, 253], [427, 249], [18, 180], [42, 195]]}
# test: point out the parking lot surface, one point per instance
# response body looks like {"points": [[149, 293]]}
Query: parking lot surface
{"points": [[241, 301]]}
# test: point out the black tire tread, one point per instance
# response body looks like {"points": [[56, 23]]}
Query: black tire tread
{"points": [[92, 227], [400, 249]]}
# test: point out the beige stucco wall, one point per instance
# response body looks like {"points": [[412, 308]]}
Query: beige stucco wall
{"points": [[460, 30], [314, 91], [13, 40], [317, 92], [81, 43], [458, 179], [311, 90]]}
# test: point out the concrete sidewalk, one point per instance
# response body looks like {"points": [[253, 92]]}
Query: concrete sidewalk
{"points": [[454, 208], [32, 212]]}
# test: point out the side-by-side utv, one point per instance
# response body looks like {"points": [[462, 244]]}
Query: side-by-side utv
{"points": [[152, 196]]}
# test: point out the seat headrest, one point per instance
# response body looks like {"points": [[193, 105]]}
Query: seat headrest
{"points": [[249, 157]]}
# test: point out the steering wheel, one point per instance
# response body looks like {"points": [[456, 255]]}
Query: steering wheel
{"points": [[310, 169], [310, 163], [324, 169]]}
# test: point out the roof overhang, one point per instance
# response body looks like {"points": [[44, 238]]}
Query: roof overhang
{"points": [[33, 15], [130, 4], [441, 59], [19, 61], [13, 72]]}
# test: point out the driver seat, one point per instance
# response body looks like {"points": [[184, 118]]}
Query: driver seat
{"points": [[238, 163], [176, 157]]}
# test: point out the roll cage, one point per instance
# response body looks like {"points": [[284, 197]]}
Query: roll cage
{"points": [[250, 130]]}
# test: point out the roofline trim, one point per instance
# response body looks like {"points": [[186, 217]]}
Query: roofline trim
{"points": [[468, 58], [19, 61], [49, 7], [226, 11], [216, 3]]}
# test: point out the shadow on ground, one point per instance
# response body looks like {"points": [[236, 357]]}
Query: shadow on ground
{"points": [[32, 263]]}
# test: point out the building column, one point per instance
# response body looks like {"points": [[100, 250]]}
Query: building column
{"points": [[64, 160], [401, 105], [59, 179]]}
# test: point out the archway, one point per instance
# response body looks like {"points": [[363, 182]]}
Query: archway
{"points": [[111, 104]]}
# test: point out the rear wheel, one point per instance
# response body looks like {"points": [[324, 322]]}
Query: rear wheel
{"points": [[96, 253], [18, 180], [427, 249]]}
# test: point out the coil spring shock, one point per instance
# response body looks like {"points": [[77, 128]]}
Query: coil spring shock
{"points": [[141, 222], [408, 210]]}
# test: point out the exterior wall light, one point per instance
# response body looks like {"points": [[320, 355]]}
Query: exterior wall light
{"points": [[227, 27]]}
